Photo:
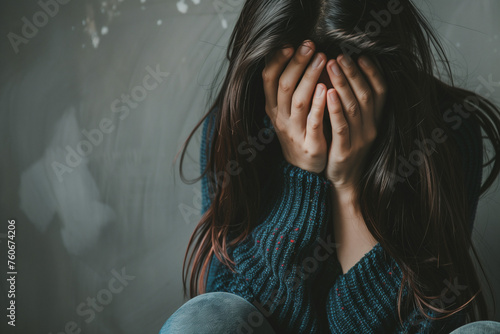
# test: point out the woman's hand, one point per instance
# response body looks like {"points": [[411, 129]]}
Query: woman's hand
{"points": [[355, 107], [297, 121]]}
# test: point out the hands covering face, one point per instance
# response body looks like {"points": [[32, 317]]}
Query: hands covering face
{"points": [[297, 110]]}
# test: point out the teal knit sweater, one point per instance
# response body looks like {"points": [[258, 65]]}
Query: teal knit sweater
{"points": [[288, 269]]}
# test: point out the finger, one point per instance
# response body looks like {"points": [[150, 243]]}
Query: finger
{"points": [[315, 117], [291, 74], [303, 93], [377, 83], [340, 128], [270, 77], [348, 100], [360, 87]]}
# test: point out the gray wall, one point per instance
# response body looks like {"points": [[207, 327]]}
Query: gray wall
{"points": [[123, 210]]}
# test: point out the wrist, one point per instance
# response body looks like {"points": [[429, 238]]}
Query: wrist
{"points": [[345, 196], [351, 233]]}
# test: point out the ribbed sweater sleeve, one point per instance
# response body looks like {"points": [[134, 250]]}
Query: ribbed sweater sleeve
{"points": [[276, 264], [363, 300]]}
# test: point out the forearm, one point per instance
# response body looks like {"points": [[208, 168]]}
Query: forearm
{"points": [[352, 237]]}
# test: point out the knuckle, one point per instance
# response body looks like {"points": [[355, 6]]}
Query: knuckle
{"points": [[352, 109], [341, 157], [342, 129], [314, 154], [284, 86], [341, 83], [366, 96], [312, 151], [297, 103], [352, 73], [314, 124]]}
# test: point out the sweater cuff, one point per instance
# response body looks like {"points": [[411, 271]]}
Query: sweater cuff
{"points": [[300, 214], [365, 298], [294, 224]]}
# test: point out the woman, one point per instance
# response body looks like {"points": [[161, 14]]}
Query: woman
{"points": [[340, 178]]}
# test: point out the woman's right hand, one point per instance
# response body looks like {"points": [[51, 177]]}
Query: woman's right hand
{"points": [[297, 122]]}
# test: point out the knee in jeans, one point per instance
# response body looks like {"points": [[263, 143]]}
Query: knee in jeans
{"points": [[217, 311], [237, 309]]}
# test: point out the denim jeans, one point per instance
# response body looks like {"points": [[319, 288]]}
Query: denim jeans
{"points": [[479, 327], [217, 313], [225, 313]]}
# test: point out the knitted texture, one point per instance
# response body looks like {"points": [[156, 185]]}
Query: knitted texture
{"points": [[286, 261]]}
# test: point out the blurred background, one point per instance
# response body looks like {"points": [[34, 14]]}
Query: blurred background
{"points": [[96, 99]]}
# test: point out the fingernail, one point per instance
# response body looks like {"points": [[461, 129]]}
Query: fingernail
{"points": [[305, 50], [318, 61], [363, 61], [319, 91], [286, 52], [332, 96], [335, 68], [346, 60]]}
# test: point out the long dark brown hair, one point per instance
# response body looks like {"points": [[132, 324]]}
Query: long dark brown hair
{"points": [[423, 220]]}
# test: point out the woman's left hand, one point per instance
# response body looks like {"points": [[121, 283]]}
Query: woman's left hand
{"points": [[355, 107]]}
